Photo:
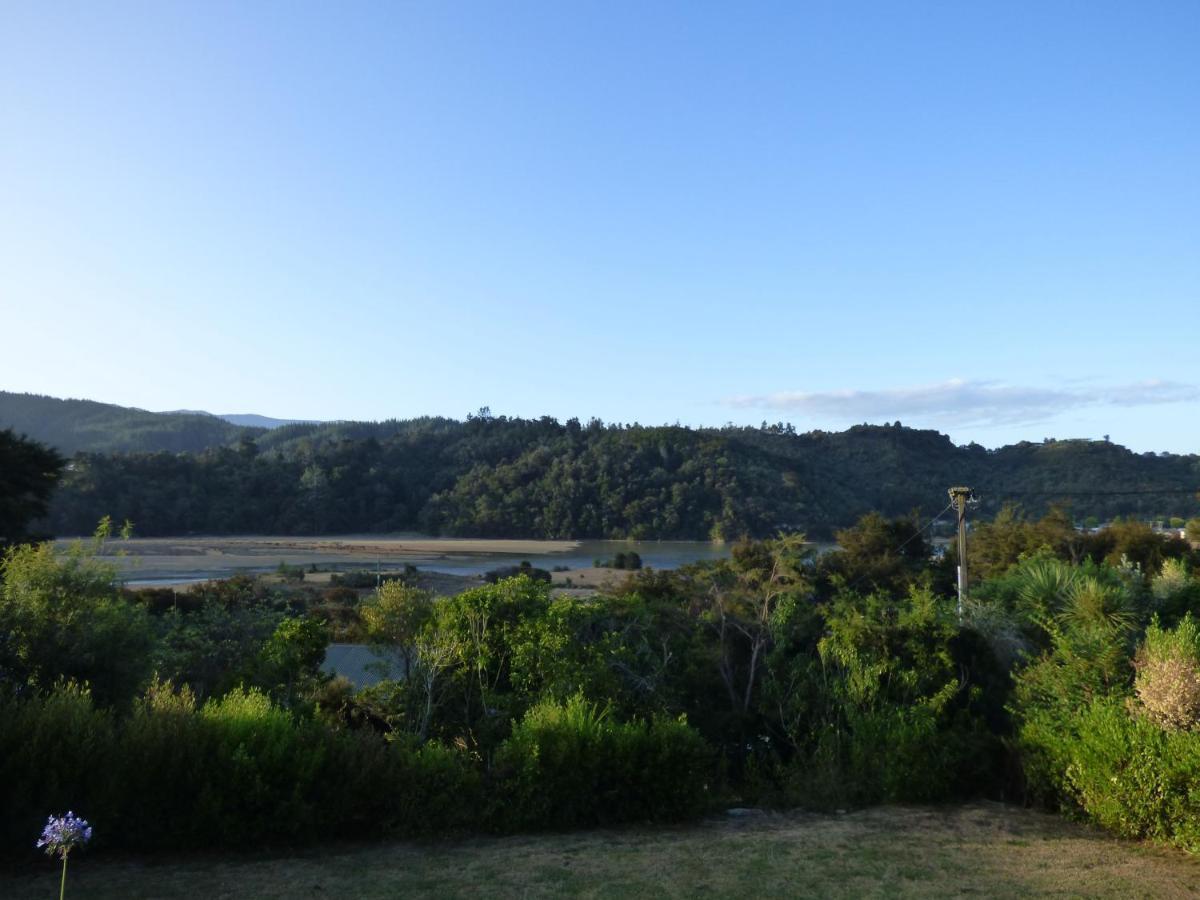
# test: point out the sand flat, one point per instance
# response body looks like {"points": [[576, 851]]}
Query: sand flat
{"points": [[200, 558], [368, 544]]}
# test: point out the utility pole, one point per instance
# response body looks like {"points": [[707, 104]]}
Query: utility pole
{"points": [[960, 497]]}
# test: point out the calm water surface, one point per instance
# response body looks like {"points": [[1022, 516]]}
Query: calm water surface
{"points": [[655, 554]]}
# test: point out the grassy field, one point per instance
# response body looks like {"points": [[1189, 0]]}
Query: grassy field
{"points": [[983, 849]]}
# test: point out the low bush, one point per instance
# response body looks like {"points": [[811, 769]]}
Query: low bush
{"points": [[56, 752], [1087, 659], [162, 771], [623, 560], [435, 789], [494, 576], [916, 754], [289, 573], [364, 578], [1127, 760], [1131, 776], [260, 767], [898, 710], [238, 771], [570, 765]]}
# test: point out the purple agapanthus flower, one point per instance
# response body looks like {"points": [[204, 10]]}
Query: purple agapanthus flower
{"points": [[63, 834]]}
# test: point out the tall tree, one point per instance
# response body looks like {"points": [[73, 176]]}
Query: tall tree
{"points": [[28, 474]]}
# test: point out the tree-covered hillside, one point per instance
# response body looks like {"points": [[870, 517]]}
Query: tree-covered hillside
{"points": [[71, 426], [496, 476]]}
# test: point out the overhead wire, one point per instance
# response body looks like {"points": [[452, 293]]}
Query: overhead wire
{"points": [[1100, 493], [912, 537]]}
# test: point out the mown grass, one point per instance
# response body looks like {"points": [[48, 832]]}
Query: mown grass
{"points": [[983, 849]]}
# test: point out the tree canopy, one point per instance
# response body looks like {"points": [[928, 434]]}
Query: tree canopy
{"points": [[28, 474], [501, 477]]}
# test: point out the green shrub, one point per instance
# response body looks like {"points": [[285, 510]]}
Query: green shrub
{"points": [[63, 619], [214, 647], [56, 749], [1129, 762], [1171, 580], [371, 786], [1175, 590], [898, 710], [238, 771], [437, 789], [1088, 628], [495, 576], [914, 754], [260, 770], [165, 751], [569, 765], [1135, 778], [363, 578], [242, 771], [290, 573], [624, 559]]}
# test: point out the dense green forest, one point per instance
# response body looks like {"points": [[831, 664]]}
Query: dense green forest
{"points": [[505, 477]]}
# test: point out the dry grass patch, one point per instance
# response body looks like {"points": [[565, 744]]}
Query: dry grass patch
{"points": [[983, 849]]}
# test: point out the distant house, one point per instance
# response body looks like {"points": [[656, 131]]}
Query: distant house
{"points": [[362, 664]]}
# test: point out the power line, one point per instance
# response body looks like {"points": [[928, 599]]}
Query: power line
{"points": [[931, 523], [912, 537], [1132, 492]]}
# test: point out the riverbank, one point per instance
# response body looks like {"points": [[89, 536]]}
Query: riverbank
{"points": [[180, 560]]}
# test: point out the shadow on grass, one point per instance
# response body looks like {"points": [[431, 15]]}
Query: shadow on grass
{"points": [[985, 848]]}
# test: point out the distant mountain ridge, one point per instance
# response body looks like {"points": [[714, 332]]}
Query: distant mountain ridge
{"points": [[87, 426], [73, 426], [245, 420]]}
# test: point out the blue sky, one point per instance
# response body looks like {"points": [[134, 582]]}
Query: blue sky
{"points": [[977, 217]]}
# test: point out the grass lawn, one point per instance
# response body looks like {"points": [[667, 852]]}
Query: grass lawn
{"points": [[984, 849]]}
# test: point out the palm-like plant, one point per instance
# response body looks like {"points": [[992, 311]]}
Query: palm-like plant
{"points": [[1045, 583], [1090, 604]]}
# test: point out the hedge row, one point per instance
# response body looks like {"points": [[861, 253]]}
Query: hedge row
{"points": [[241, 772]]}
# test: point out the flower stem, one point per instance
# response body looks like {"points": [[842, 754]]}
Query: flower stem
{"points": [[62, 887]]}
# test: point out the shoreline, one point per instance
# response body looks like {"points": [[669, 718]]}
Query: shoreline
{"points": [[167, 561], [353, 544]]}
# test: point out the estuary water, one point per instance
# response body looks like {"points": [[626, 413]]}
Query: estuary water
{"points": [[654, 554], [184, 560]]}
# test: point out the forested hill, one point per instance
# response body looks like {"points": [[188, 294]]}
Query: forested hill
{"points": [[71, 426], [506, 477]]}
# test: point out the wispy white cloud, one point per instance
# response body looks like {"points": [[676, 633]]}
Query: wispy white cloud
{"points": [[964, 402]]}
